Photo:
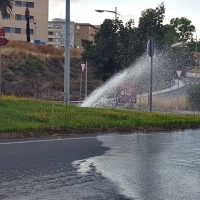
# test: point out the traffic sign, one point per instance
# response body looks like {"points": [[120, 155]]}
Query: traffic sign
{"points": [[2, 32], [3, 41], [150, 48], [82, 66], [178, 73]]}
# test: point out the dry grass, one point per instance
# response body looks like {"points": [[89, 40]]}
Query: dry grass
{"points": [[163, 103], [41, 51]]}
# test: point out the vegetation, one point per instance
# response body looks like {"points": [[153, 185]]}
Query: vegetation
{"points": [[194, 96], [29, 117], [37, 70], [183, 27], [116, 45], [6, 6]]}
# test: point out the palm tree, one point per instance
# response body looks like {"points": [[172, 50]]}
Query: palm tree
{"points": [[6, 6]]}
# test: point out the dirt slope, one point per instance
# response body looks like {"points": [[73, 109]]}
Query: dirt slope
{"points": [[30, 71]]}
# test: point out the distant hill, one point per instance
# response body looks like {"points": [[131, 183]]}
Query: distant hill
{"points": [[38, 71]]}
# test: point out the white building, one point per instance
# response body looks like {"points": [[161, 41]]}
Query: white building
{"points": [[56, 33]]}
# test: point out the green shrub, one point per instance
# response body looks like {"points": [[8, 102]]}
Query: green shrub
{"points": [[193, 95]]}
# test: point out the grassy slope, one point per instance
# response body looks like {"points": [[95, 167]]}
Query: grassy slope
{"points": [[29, 117], [37, 70]]}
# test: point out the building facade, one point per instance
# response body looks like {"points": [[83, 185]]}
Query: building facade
{"points": [[78, 31], [83, 31], [56, 33], [15, 23]]}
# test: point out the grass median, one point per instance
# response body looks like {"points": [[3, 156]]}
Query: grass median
{"points": [[25, 117]]}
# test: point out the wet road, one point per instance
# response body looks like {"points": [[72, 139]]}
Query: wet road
{"points": [[161, 166], [43, 169]]}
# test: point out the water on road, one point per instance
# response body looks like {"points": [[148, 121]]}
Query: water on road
{"points": [[150, 166]]}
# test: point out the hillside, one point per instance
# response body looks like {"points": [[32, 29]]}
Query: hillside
{"points": [[38, 71]]}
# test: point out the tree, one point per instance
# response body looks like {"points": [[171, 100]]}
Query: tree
{"points": [[110, 44], [170, 35], [183, 27], [6, 6], [151, 25], [193, 96]]}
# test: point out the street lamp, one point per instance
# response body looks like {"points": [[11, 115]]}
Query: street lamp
{"points": [[115, 12], [35, 29]]}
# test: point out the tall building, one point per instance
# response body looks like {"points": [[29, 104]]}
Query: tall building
{"points": [[15, 23], [56, 33], [83, 31], [78, 31]]}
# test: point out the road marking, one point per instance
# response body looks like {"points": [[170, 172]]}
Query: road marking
{"points": [[50, 140], [79, 138]]}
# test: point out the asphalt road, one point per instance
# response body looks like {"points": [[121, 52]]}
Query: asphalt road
{"points": [[143, 166], [43, 169], [181, 91]]}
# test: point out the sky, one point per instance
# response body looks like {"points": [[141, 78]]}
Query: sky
{"points": [[83, 11]]}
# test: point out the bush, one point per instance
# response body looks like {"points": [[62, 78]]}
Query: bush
{"points": [[193, 95]]}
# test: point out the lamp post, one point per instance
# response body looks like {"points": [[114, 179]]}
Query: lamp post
{"points": [[27, 15], [35, 29], [115, 12]]}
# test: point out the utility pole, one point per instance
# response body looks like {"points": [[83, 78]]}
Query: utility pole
{"points": [[27, 15], [196, 63], [67, 55]]}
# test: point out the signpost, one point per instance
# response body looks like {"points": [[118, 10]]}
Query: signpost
{"points": [[178, 72], [2, 32], [82, 66], [3, 41], [150, 51]]}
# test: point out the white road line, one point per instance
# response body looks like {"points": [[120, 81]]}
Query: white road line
{"points": [[50, 140], [79, 138]]}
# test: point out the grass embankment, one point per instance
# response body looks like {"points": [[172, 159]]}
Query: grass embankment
{"points": [[22, 117]]}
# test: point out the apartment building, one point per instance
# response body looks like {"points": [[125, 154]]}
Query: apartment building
{"points": [[78, 31], [83, 31], [15, 23], [56, 33]]}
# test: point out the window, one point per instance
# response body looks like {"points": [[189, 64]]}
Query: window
{"points": [[31, 32], [50, 39], [15, 30], [24, 4], [18, 30], [6, 16], [12, 30], [18, 3], [18, 17], [30, 4], [22, 17], [31, 18], [50, 33], [78, 27], [7, 29]]}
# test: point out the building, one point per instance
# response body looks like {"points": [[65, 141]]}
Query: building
{"points": [[78, 31], [56, 33], [83, 31], [15, 23]]}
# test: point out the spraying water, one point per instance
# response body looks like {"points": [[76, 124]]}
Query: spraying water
{"points": [[138, 76]]}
